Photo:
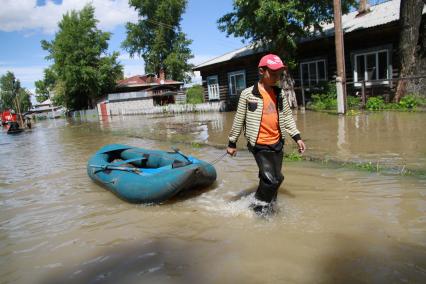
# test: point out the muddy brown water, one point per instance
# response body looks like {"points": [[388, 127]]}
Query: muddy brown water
{"points": [[335, 224]]}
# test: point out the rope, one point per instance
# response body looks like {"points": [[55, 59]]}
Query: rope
{"points": [[218, 158]]}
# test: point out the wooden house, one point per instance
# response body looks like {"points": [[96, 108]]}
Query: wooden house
{"points": [[46, 109], [140, 92], [371, 54]]}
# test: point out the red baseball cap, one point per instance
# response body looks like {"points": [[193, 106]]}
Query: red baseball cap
{"points": [[272, 61]]}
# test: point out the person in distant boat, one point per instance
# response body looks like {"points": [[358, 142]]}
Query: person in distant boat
{"points": [[264, 113], [28, 122]]}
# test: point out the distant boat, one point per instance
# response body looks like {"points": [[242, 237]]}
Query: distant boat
{"points": [[147, 176], [13, 128]]}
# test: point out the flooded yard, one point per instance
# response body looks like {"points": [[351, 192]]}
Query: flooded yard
{"points": [[336, 224]]}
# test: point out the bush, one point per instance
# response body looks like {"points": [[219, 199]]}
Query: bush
{"points": [[392, 106], [326, 100], [409, 102], [195, 95], [317, 103], [353, 102], [421, 100], [375, 103]]}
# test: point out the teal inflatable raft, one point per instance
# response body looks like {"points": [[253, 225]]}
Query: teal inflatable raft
{"points": [[147, 176]]}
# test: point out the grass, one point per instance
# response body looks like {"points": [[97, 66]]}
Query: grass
{"points": [[196, 145], [293, 157]]}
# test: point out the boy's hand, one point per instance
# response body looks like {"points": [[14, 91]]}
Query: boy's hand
{"points": [[301, 145], [231, 151]]}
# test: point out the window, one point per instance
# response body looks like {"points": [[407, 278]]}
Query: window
{"points": [[312, 72], [371, 66], [213, 87], [237, 82]]}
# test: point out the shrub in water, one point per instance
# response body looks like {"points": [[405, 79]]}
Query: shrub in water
{"points": [[326, 100], [195, 95], [408, 102], [353, 102], [375, 103]]}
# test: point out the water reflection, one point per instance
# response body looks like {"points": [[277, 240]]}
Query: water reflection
{"points": [[341, 136], [339, 225], [390, 139]]}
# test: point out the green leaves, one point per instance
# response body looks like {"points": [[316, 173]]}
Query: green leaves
{"points": [[277, 24], [195, 95], [11, 94], [82, 70], [158, 38], [7, 90]]}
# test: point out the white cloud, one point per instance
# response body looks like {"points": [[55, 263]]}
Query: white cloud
{"points": [[132, 66], [27, 75], [24, 15], [134, 69], [195, 79]]}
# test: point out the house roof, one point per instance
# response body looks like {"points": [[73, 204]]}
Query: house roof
{"points": [[241, 52], [47, 102], [145, 80], [380, 14]]}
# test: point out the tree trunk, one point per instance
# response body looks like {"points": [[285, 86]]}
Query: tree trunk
{"points": [[363, 7], [288, 87], [409, 51]]}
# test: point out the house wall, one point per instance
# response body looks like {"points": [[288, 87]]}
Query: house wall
{"points": [[128, 107], [357, 41], [222, 70], [385, 36]]}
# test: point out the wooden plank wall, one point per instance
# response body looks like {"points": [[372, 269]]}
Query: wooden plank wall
{"points": [[362, 40], [248, 63]]}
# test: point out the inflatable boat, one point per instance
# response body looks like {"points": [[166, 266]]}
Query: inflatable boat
{"points": [[140, 175]]}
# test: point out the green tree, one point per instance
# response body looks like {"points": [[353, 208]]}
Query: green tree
{"points": [[276, 25], [412, 51], [81, 64], [195, 94], [158, 38], [8, 84], [45, 87], [24, 99], [11, 93]]}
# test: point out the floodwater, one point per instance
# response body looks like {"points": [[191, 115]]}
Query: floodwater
{"points": [[335, 224]]}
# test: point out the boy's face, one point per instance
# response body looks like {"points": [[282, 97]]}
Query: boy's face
{"points": [[270, 77]]}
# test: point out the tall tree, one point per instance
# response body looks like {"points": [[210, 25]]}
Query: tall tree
{"points": [[24, 99], [277, 24], [8, 84], [45, 87], [158, 38], [411, 49], [12, 95], [81, 63]]}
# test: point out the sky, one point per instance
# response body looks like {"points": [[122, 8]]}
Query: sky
{"points": [[24, 23]]}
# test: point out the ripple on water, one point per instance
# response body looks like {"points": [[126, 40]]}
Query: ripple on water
{"points": [[55, 220]]}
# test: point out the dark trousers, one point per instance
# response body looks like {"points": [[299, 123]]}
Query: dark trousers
{"points": [[269, 160]]}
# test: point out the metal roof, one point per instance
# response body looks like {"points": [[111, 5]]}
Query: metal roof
{"points": [[244, 51], [145, 80], [379, 15]]}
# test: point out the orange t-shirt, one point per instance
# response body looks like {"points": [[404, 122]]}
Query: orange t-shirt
{"points": [[269, 132]]}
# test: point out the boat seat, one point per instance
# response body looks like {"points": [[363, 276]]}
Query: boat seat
{"points": [[178, 164], [141, 159]]}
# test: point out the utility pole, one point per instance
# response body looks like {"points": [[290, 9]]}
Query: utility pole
{"points": [[340, 58]]}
